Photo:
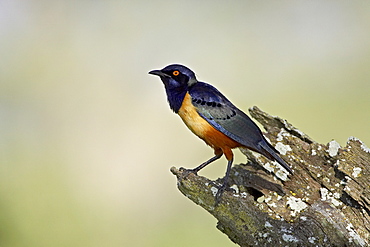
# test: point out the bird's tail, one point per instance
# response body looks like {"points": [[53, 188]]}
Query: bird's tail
{"points": [[270, 152]]}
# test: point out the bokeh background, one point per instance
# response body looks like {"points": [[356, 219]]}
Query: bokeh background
{"points": [[86, 135]]}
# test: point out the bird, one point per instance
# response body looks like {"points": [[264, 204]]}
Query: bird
{"points": [[213, 118]]}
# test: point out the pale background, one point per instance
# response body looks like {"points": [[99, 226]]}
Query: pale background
{"points": [[86, 135]]}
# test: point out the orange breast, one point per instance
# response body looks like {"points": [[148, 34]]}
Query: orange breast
{"points": [[202, 128]]}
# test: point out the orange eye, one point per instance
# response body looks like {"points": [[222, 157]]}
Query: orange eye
{"points": [[176, 73]]}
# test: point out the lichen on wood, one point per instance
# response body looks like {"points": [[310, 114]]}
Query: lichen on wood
{"points": [[326, 202]]}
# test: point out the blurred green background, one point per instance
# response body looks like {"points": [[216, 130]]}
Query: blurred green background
{"points": [[87, 138]]}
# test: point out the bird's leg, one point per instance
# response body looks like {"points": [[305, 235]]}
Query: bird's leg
{"points": [[224, 183], [230, 157], [218, 154], [201, 166]]}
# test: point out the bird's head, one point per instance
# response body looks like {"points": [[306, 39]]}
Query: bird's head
{"points": [[176, 79], [176, 76]]}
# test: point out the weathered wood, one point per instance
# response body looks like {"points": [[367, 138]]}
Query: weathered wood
{"points": [[326, 202]]}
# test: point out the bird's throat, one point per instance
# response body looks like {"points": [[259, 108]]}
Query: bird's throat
{"points": [[175, 98]]}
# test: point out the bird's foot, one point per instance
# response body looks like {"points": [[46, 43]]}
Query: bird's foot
{"points": [[187, 172], [219, 193]]}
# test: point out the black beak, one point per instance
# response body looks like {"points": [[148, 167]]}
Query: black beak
{"points": [[158, 73]]}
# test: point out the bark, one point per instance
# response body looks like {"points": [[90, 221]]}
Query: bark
{"points": [[326, 202]]}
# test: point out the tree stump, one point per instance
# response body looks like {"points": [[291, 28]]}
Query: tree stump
{"points": [[326, 202]]}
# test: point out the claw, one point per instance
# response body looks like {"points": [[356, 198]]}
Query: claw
{"points": [[186, 172], [219, 194]]}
